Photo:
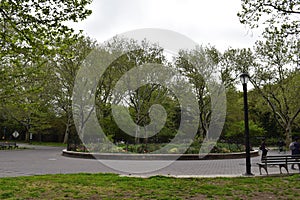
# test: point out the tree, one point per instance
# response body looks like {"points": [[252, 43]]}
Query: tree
{"points": [[32, 28], [236, 132], [233, 62], [31, 104], [278, 55], [131, 55], [261, 114], [199, 65], [276, 78], [278, 16], [273, 70], [234, 112], [31, 32], [65, 67]]}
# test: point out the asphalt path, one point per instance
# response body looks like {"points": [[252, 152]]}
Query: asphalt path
{"points": [[40, 160]]}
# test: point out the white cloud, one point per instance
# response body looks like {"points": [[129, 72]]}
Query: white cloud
{"points": [[214, 21]]}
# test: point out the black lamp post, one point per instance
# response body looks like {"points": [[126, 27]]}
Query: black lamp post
{"points": [[244, 79]]}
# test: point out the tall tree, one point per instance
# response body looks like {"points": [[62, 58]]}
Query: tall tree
{"points": [[131, 55], [278, 55], [271, 67], [31, 33], [199, 65], [276, 78], [65, 67]]}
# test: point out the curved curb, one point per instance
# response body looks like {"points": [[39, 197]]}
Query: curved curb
{"points": [[123, 156]]}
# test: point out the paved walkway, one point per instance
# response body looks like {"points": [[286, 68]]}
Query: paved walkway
{"points": [[48, 160]]}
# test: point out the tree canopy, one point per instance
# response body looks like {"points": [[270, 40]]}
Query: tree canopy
{"points": [[276, 16], [32, 27]]}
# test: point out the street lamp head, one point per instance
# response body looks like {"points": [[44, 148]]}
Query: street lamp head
{"points": [[244, 77]]}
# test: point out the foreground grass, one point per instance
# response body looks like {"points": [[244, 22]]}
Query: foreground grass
{"points": [[109, 186]]}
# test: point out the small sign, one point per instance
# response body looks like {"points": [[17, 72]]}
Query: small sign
{"points": [[15, 134]]}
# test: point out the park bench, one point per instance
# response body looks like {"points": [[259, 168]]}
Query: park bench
{"points": [[8, 145], [281, 160]]}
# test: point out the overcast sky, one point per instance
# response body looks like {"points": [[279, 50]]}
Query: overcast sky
{"points": [[213, 22]]}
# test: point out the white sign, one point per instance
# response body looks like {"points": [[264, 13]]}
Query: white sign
{"points": [[15, 134]]}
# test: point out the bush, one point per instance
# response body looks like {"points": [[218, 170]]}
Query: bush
{"points": [[195, 148]]}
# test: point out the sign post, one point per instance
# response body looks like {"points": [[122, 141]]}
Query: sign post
{"points": [[15, 134]]}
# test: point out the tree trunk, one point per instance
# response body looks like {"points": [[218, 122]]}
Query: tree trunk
{"points": [[288, 133], [27, 136], [66, 137], [137, 134], [67, 131], [27, 133]]}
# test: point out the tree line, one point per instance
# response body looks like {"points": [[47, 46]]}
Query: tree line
{"points": [[40, 58]]}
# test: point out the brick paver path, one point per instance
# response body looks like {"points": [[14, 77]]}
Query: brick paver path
{"points": [[48, 160]]}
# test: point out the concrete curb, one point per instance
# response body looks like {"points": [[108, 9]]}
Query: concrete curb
{"points": [[124, 156]]}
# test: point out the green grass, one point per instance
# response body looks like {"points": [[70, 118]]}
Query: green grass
{"points": [[110, 186]]}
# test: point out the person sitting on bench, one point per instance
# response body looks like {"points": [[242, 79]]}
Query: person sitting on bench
{"points": [[263, 148], [295, 149]]}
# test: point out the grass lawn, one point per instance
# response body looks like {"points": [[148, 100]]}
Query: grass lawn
{"points": [[110, 186]]}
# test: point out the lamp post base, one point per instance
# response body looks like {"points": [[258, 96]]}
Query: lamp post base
{"points": [[248, 174]]}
